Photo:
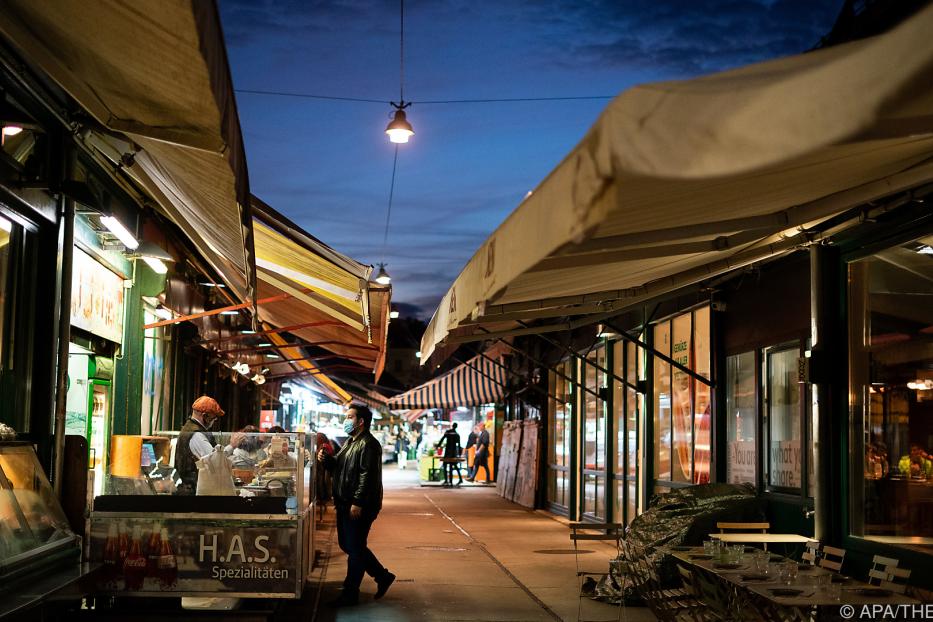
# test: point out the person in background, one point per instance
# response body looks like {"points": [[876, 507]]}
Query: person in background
{"points": [[196, 441], [481, 459], [401, 449], [451, 442], [357, 472], [248, 452], [322, 478], [471, 442]]}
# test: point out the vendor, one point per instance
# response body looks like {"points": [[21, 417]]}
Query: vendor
{"points": [[195, 441]]}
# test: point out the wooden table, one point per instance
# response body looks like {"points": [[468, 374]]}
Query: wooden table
{"points": [[761, 538]]}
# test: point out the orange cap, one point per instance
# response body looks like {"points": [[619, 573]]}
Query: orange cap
{"points": [[209, 405]]}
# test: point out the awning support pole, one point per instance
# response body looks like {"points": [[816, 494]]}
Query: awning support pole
{"points": [[663, 357]]}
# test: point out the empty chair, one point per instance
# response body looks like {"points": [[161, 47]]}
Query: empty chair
{"points": [[885, 573], [811, 552], [831, 558], [608, 532], [668, 605]]}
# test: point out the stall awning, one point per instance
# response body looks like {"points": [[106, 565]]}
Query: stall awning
{"points": [[331, 303], [680, 181], [156, 73], [295, 360], [478, 381]]}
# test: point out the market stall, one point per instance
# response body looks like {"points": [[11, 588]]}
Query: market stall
{"points": [[250, 537]]}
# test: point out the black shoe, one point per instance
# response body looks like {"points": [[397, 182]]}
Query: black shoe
{"points": [[345, 600], [460, 482], [384, 585]]}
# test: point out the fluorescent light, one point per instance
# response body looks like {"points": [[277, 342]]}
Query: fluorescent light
{"points": [[11, 130], [925, 250], [232, 312], [247, 332], [163, 313], [418, 354], [272, 356], [206, 284], [264, 344], [158, 266], [123, 234], [393, 315]]}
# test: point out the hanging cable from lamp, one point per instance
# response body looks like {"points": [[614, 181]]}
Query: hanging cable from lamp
{"points": [[399, 129], [383, 277]]}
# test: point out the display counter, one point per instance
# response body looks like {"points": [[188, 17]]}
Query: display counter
{"points": [[37, 547], [256, 541]]}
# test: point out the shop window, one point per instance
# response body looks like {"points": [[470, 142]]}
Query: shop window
{"points": [[782, 397], [559, 407], [594, 433], [682, 406], [891, 394], [741, 419], [628, 363]]}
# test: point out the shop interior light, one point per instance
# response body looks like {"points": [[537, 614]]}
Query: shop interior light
{"points": [[382, 277], [231, 312], [259, 379], [393, 315], [247, 332], [265, 370], [11, 130], [264, 344], [158, 266], [207, 284], [272, 356], [123, 234], [925, 250], [6, 225], [606, 332], [418, 354]]}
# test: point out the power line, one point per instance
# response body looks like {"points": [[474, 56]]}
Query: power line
{"points": [[424, 102]]}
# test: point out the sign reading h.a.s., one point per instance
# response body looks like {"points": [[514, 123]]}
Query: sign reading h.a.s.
{"points": [[213, 549]]}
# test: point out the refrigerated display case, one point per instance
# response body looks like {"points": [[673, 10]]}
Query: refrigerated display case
{"points": [[88, 406], [34, 533]]}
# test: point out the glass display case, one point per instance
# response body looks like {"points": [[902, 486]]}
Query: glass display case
{"points": [[243, 530], [33, 528]]}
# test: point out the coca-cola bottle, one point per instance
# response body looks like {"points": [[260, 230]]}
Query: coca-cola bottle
{"points": [[153, 548], [168, 563], [112, 566], [123, 546], [134, 567]]}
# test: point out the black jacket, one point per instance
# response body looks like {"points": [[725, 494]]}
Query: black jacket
{"points": [[452, 446], [357, 470]]}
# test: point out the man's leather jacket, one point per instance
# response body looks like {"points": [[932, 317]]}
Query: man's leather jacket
{"points": [[357, 471]]}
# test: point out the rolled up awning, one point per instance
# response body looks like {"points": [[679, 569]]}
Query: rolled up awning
{"points": [[680, 181], [331, 303], [157, 73], [478, 381]]}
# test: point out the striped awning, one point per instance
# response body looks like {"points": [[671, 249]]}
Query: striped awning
{"points": [[478, 381]]}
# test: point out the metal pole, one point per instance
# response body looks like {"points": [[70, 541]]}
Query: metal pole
{"points": [[64, 338]]}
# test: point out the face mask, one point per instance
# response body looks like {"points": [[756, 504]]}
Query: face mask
{"points": [[348, 426]]}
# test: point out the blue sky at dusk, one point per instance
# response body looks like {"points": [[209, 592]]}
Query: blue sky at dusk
{"points": [[327, 164]]}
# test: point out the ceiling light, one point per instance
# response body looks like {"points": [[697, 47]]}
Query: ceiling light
{"points": [[399, 129], [123, 234], [272, 356], [265, 370], [925, 250], [382, 277], [259, 379], [158, 266], [6, 225], [212, 284], [418, 354], [11, 130], [247, 332], [393, 315], [265, 344], [231, 312]]}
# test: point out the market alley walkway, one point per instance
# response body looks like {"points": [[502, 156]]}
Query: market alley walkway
{"points": [[462, 554]]}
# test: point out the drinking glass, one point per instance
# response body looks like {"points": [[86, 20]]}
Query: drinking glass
{"points": [[762, 561], [788, 572], [709, 547], [738, 552]]}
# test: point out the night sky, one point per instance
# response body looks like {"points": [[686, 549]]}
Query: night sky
{"points": [[327, 164]]}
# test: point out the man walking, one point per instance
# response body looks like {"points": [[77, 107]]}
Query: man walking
{"points": [[481, 457], [357, 482], [451, 442]]}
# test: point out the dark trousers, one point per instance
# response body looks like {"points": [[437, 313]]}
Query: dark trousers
{"points": [[449, 472], [481, 460], [351, 536]]}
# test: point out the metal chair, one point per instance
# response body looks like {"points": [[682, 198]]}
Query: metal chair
{"points": [[667, 604], [886, 574], [831, 558], [607, 532], [811, 552]]}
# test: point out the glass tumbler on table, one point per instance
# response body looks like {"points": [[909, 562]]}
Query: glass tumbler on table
{"points": [[788, 572]]}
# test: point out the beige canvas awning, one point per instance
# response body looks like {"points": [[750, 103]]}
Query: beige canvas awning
{"points": [[156, 72], [680, 181], [331, 303]]}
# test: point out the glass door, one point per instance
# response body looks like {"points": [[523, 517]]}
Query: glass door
{"points": [[628, 361], [559, 434], [593, 435], [98, 430]]}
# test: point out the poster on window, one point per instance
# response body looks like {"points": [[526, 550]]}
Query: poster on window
{"points": [[740, 466], [785, 463], [96, 298]]}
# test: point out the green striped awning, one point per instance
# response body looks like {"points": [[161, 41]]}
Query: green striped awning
{"points": [[478, 381]]}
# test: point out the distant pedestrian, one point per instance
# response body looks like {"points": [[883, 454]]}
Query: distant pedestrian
{"points": [[357, 472], [481, 458], [451, 442]]}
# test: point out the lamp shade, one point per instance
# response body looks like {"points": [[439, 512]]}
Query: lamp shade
{"points": [[399, 129], [382, 277]]}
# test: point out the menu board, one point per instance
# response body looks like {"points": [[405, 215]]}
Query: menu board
{"points": [[96, 298]]}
